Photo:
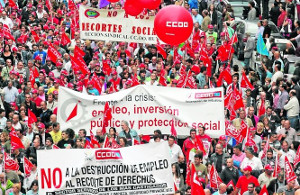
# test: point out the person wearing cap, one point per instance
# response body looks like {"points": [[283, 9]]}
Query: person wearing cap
{"points": [[266, 177], [288, 189], [55, 86], [48, 67], [227, 148], [245, 180], [58, 48], [91, 89], [40, 11], [248, 50], [36, 99], [211, 34], [115, 80], [41, 129], [57, 72], [40, 52]]}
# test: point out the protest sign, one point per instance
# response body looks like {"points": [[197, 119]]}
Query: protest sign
{"points": [[115, 25], [146, 108], [142, 169]]}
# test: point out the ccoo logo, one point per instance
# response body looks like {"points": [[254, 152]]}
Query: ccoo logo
{"points": [[177, 24], [90, 13], [107, 154]]}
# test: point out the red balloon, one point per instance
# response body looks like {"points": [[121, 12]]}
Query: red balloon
{"points": [[113, 1], [173, 24], [133, 8], [151, 4]]}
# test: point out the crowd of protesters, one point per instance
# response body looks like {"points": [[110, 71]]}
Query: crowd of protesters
{"points": [[30, 83]]}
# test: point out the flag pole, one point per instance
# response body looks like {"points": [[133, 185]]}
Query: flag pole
{"points": [[267, 151], [215, 172]]}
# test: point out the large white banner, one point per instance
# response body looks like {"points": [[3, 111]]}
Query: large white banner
{"points": [[146, 108], [142, 169], [115, 25]]}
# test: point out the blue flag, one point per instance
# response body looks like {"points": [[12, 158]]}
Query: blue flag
{"points": [[103, 3], [2, 3], [261, 46]]}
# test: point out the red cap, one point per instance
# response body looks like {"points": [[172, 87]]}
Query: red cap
{"points": [[70, 85], [13, 13], [210, 26], [51, 74], [64, 72], [41, 125], [58, 63], [252, 129], [202, 34], [59, 12], [222, 137], [79, 88], [269, 168], [195, 69], [56, 80], [15, 49], [97, 64], [222, 34], [128, 82], [52, 27], [142, 65], [114, 72], [29, 5], [38, 58], [275, 48], [102, 77], [90, 83], [174, 81], [122, 44], [34, 91], [40, 6], [56, 43], [46, 27], [248, 168], [55, 92]]}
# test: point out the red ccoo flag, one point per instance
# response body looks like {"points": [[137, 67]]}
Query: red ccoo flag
{"points": [[231, 184], [94, 141], [262, 108], [215, 180], [88, 144], [78, 50], [106, 117], [266, 148], [9, 163], [199, 145], [31, 117], [65, 40], [53, 54], [196, 185], [35, 36], [11, 3], [245, 83], [289, 172], [297, 157], [15, 142], [27, 167], [161, 51], [264, 191]]}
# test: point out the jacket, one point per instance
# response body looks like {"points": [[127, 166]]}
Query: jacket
{"points": [[213, 159], [250, 46], [252, 14], [227, 175], [132, 133]]}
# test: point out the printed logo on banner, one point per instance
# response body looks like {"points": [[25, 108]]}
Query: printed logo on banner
{"points": [[215, 94], [92, 14], [72, 111], [107, 154]]}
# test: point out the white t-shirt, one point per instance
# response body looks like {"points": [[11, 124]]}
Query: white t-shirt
{"points": [[254, 163], [175, 151], [290, 154]]}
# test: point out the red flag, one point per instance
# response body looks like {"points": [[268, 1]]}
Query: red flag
{"points": [[233, 39], [27, 167], [191, 82], [13, 132], [226, 76], [11, 3], [48, 5], [88, 144], [297, 157], [78, 51], [135, 81], [114, 144], [135, 142], [231, 184], [96, 83], [55, 146], [106, 142], [15, 142], [277, 168], [266, 148], [262, 108], [31, 117], [245, 83], [106, 116], [250, 142], [161, 51], [94, 141], [175, 187], [77, 65], [65, 40], [106, 67], [196, 185], [173, 130], [53, 54], [264, 191], [35, 36], [231, 131], [215, 180], [9, 163], [162, 81], [237, 96], [243, 129], [199, 145], [71, 5], [289, 172]]}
